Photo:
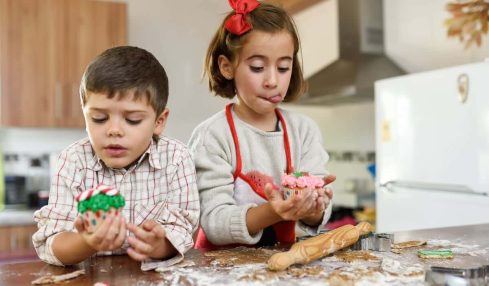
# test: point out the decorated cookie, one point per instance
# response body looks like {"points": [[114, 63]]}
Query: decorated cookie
{"points": [[298, 181], [94, 204], [436, 253]]}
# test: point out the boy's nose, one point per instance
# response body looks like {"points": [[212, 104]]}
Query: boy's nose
{"points": [[115, 130]]}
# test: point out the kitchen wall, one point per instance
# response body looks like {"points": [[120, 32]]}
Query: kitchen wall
{"points": [[178, 32], [415, 37], [349, 138]]}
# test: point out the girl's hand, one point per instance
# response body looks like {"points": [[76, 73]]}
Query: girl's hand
{"points": [[296, 207], [325, 195], [149, 241], [109, 236]]}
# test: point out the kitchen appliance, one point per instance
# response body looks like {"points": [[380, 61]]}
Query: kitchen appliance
{"points": [[432, 149], [15, 191]]}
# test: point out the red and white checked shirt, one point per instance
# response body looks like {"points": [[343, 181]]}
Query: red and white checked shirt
{"points": [[161, 186]]}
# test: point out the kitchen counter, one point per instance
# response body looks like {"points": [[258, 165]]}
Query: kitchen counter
{"points": [[245, 266], [16, 217]]}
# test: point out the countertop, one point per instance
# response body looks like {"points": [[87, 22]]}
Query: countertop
{"points": [[245, 266], [16, 217]]}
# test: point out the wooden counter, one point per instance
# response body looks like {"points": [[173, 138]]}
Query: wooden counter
{"points": [[243, 265]]}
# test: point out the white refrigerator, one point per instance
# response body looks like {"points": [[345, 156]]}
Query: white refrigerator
{"points": [[432, 149]]}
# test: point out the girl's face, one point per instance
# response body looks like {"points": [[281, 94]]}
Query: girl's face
{"points": [[262, 72]]}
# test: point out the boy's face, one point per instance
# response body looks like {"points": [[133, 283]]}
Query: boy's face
{"points": [[120, 130]]}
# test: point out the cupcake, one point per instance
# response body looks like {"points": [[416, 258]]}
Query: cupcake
{"points": [[298, 181], [94, 204]]}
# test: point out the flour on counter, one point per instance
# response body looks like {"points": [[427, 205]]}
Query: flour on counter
{"points": [[330, 270], [459, 248]]}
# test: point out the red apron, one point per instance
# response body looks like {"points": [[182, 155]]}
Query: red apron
{"points": [[248, 190]]}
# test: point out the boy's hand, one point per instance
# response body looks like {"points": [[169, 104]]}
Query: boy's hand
{"points": [[109, 236], [149, 241]]}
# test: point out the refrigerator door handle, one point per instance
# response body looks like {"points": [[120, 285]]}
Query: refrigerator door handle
{"points": [[392, 185]]}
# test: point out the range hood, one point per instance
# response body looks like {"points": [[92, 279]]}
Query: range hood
{"points": [[361, 62]]}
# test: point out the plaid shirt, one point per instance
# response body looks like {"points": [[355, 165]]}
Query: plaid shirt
{"points": [[160, 186]]}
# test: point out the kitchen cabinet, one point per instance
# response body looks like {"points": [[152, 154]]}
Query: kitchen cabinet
{"points": [[45, 46], [16, 242]]}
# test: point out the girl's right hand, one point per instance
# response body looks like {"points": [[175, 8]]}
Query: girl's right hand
{"points": [[109, 236]]}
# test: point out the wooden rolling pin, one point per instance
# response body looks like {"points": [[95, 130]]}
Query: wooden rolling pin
{"points": [[308, 250]]}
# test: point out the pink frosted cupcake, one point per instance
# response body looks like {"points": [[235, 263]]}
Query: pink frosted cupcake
{"points": [[298, 181], [94, 204]]}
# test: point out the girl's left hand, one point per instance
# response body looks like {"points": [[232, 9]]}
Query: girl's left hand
{"points": [[149, 241], [323, 200]]}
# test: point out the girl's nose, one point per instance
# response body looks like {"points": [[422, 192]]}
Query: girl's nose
{"points": [[271, 79]]}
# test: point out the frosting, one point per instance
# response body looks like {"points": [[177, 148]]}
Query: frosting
{"points": [[435, 253], [99, 198], [302, 180]]}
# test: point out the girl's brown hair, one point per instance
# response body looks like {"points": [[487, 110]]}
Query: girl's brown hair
{"points": [[267, 18]]}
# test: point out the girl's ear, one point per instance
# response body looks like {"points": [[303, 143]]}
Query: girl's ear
{"points": [[226, 67]]}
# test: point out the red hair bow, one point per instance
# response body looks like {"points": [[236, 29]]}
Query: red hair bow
{"points": [[237, 24]]}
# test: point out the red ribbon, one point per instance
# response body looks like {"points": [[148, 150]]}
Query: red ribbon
{"points": [[237, 24]]}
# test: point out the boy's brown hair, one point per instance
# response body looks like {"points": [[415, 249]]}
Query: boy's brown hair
{"points": [[267, 18], [120, 70]]}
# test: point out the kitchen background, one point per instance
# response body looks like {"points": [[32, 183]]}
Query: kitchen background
{"points": [[408, 33]]}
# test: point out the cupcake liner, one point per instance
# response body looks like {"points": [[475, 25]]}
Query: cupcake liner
{"points": [[92, 220]]}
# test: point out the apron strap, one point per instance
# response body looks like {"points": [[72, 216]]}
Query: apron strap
{"points": [[290, 168], [229, 117]]}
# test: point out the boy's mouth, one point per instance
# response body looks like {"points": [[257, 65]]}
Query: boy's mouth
{"points": [[115, 150]]}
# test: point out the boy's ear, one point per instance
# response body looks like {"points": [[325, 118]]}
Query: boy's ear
{"points": [[225, 67], [161, 122]]}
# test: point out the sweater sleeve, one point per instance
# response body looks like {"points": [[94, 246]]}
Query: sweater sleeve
{"points": [[222, 220], [313, 159]]}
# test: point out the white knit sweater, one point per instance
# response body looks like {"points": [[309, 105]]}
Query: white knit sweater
{"points": [[213, 151]]}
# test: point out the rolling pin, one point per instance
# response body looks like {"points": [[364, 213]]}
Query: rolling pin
{"points": [[319, 246]]}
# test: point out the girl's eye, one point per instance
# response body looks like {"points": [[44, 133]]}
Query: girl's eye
{"points": [[99, 120], [133, 122], [283, 70], [256, 69]]}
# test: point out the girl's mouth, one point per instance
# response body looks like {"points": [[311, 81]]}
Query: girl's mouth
{"points": [[274, 99]]}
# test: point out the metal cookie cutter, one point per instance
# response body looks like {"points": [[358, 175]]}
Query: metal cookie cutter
{"points": [[438, 275], [374, 241]]}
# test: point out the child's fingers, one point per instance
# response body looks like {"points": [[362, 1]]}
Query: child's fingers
{"points": [[148, 225], [329, 179], [135, 255], [159, 231], [139, 245], [119, 240], [79, 225], [329, 193], [140, 233], [272, 195]]}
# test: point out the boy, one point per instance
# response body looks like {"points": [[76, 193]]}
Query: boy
{"points": [[123, 92]]}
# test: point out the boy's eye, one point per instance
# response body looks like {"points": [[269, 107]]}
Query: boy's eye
{"points": [[256, 68], [99, 119], [133, 122]]}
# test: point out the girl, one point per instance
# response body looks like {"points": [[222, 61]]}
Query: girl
{"points": [[241, 151]]}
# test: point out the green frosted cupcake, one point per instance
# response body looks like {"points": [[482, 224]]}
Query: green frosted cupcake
{"points": [[94, 204]]}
